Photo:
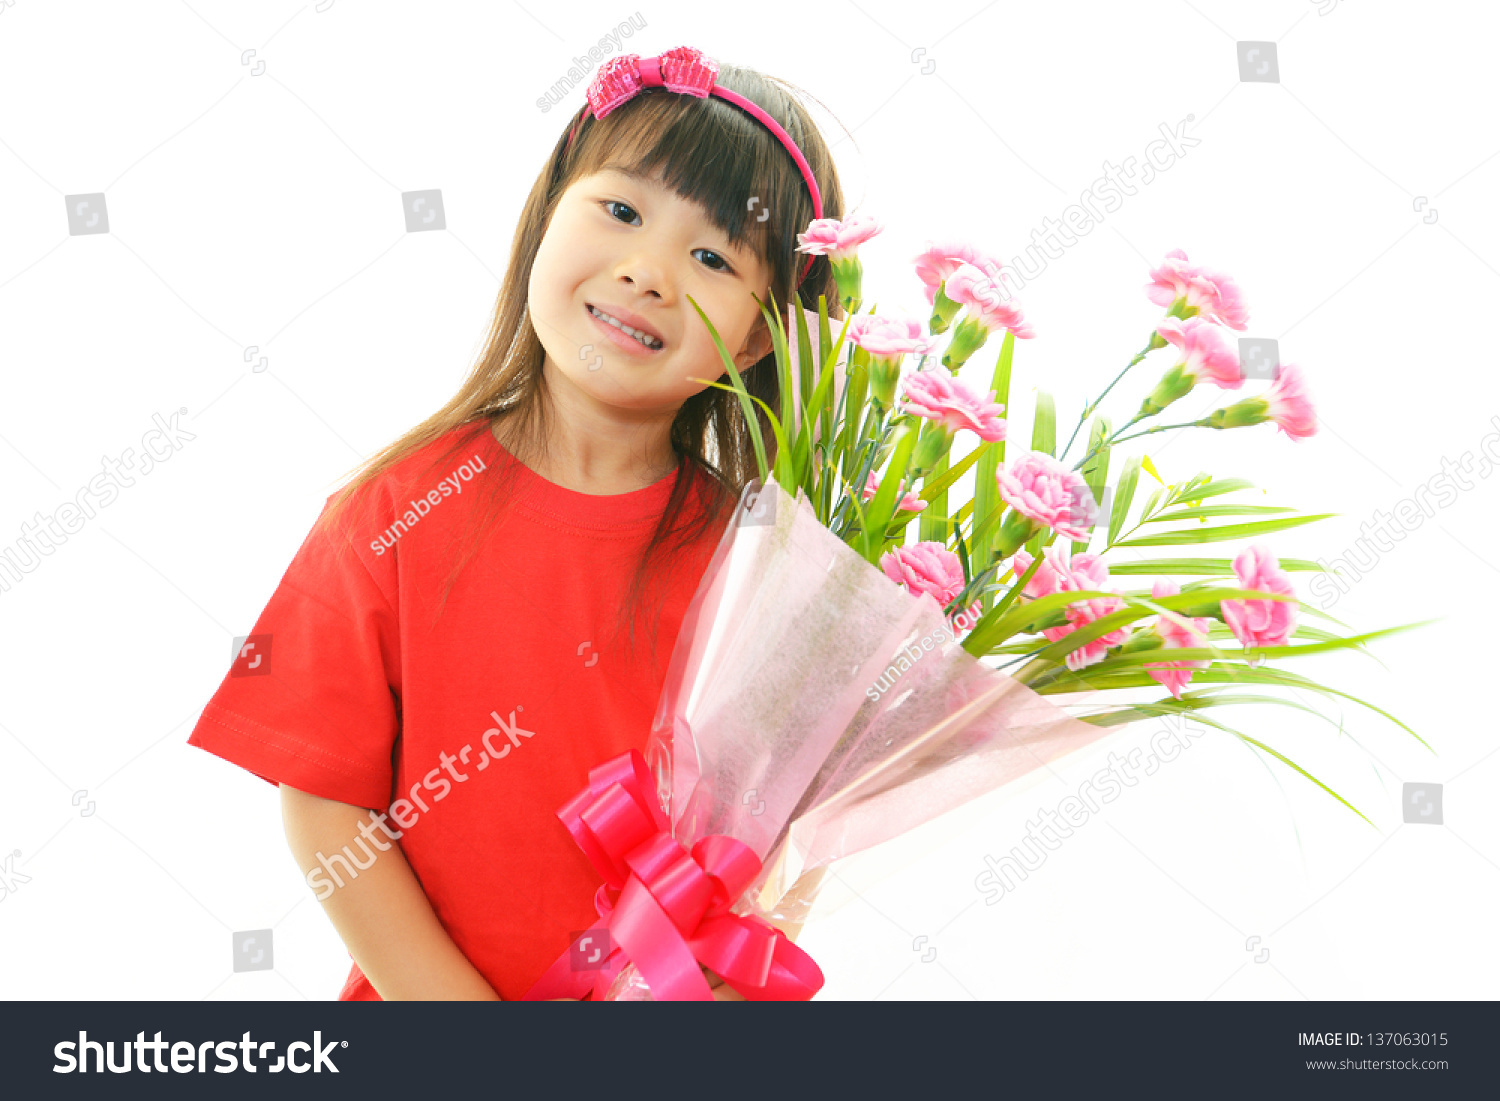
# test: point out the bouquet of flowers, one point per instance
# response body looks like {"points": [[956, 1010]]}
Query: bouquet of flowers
{"points": [[832, 685]]}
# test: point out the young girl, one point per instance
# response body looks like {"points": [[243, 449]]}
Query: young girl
{"points": [[443, 661]]}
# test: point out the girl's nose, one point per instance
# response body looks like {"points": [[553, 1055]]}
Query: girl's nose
{"points": [[647, 275]]}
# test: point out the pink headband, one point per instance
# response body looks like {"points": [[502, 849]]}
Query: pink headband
{"points": [[683, 70]]}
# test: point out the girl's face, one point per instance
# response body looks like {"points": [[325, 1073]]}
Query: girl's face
{"points": [[630, 246]]}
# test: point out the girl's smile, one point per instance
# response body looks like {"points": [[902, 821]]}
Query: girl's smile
{"points": [[624, 244], [621, 339]]}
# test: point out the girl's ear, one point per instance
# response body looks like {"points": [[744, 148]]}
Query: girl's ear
{"points": [[758, 344]]}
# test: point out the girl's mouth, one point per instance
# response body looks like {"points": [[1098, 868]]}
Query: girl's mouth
{"points": [[621, 336]]}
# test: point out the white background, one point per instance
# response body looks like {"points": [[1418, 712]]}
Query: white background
{"points": [[265, 211]]}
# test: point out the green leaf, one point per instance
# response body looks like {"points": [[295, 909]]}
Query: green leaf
{"points": [[1147, 710], [1193, 492], [826, 357], [883, 504], [856, 391], [804, 363], [781, 444], [1230, 673], [1205, 653], [934, 525], [1096, 471], [1044, 424], [1205, 566], [1288, 761], [821, 402], [1151, 500], [1000, 382], [935, 484], [1218, 510], [984, 529], [1123, 497], [1227, 531], [783, 465], [1193, 701], [1138, 608], [1008, 623], [739, 388], [825, 342], [986, 493], [792, 473], [1044, 439], [987, 632]]}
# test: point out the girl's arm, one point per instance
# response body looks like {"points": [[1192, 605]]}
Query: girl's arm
{"points": [[382, 914]]}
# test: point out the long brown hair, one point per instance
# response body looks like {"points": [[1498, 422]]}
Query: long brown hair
{"points": [[709, 152]]}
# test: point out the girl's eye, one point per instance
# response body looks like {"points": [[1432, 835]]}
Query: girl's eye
{"points": [[608, 204], [716, 256], [615, 202]]}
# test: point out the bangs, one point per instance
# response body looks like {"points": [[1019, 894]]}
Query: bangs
{"points": [[714, 155]]}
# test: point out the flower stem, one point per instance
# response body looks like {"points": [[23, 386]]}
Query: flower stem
{"points": [[1095, 403], [1162, 428], [875, 427], [1119, 437], [977, 582]]}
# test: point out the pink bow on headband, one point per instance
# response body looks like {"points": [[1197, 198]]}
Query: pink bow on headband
{"points": [[620, 78]]}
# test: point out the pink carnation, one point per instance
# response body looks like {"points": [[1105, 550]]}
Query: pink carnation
{"points": [[1047, 579], [926, 568], [954, 404], [910, 503], [989, 302], [1288, 404], [1214, 294], [890, 337], [835, 237], [1061, 571], [1206, 354], [1042, 489], [1261, 622], [962, 621], [940, 261], [1178, 632]]}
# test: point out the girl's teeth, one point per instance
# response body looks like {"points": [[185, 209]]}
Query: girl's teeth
{"points": [[648, 341]]}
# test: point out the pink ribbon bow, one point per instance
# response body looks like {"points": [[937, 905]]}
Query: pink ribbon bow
{"points": [[673, 909], [681, 70]]}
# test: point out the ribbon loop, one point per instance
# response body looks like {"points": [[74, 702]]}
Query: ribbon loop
{"points": [[683, 69], [673, 908]]}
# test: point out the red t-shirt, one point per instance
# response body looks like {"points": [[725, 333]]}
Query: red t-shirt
{"points": [[350, 691]]}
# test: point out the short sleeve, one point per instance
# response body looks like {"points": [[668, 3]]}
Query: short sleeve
{"points": [[313, 698]]}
